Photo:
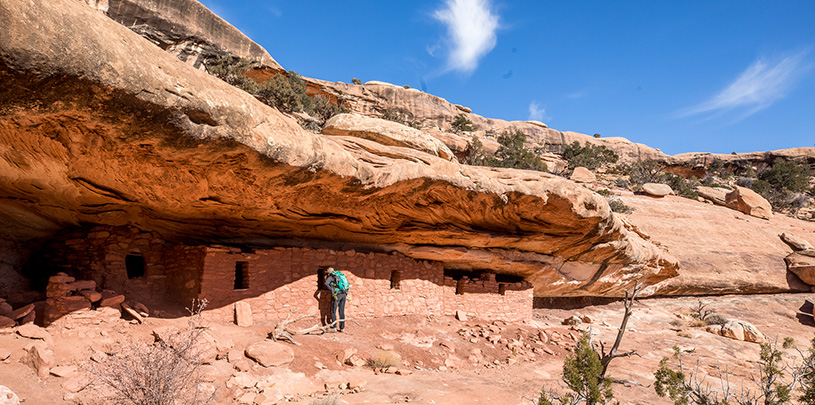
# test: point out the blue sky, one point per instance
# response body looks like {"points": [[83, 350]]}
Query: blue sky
{"points": [[682, 76]]}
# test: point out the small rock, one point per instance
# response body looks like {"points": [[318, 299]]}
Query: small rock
{"points": [[345, 354], [109, 300], [32, 331], [21, 312], [132, 312], [270, 354], [4, 353], [247, 398], [76, 384], [404, 371], [795, 242], [6, 322], [61, 278], [64, 371], [357, 383], [572, 320], [320, 365], [234, 355], [355, 361], [39, 358], [91, 295], [243, 365], [243, 314], [461, 315], [385, 346]]}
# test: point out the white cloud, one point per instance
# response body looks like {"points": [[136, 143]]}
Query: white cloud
{"points": [[763, 83], [536, 112], [471, 27]]}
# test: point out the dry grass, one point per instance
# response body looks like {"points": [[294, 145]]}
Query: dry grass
{"points": [[385, 359]]}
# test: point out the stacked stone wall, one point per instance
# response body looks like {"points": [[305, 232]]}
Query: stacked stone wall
{"points": [[284, 281], [98, 253]]}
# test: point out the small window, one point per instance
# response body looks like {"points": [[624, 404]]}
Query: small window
{"points": [[502, 289], [460, 286], [396, 279], [321, 273], [134, 264], [241, 275]]}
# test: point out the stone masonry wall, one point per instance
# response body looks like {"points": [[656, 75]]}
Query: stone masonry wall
{"points": [[98, 253], [284, 281]]}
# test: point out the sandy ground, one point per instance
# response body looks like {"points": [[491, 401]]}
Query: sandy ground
{"points": [[440, 353]]}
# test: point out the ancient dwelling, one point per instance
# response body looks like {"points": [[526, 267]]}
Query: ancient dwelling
{"points": [[277, 281]]}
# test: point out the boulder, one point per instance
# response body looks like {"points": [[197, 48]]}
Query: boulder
{"points": [[387, 133], [796, 242], [243, 314], [749, 202], [657, 189], [715, 195], [738, 330], [8, 397], [802, 264], [582, 175], [270, 354], [5, 309], [73, 303], [463, 108]]}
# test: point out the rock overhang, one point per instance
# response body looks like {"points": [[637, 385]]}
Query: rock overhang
{"points": [[147, 140]]}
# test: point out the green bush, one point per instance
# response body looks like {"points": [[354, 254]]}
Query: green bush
{"points": [[646, 171], [589, 156], [619, 207], [322, 108], [356, 81], [787, 175], [583, 375], [682, 186], [513, 153], [462, 124]]}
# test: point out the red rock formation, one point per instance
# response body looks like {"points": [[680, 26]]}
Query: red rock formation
{"points": [[101, 126]]}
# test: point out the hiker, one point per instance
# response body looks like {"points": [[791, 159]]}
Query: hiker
{"points": [[338, 285]]}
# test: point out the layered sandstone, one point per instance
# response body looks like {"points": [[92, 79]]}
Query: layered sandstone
{"points": [[98, 125]]}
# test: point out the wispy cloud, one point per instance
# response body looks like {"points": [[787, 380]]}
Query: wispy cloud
{"points": [[471, 26], [763, 83], [536, 112]]}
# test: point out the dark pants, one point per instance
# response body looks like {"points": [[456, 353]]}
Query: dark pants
{"points": [[338, 303]]}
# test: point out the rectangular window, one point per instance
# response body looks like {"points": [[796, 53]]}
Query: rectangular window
{"points": [[502, 289], [396, 279], [241, 275]]}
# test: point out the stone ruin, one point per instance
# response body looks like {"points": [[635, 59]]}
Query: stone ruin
{"points": [[275, 282]]}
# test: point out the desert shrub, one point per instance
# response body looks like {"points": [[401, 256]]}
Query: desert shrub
{"points": [[597, 135], [403, 117], [718, 167], [385, 359], [604, 192], [589, 156], [231, 70], [513, 153], [787, 175], [166, 372], [583, 375], [677, 323], [356, 81], [623, 183], [462, 124], [716, 319], [322, 108], [618, 206], [682, 186], [744, 181], [476, 156], [775, 382], [645, 171], [285, 92]]}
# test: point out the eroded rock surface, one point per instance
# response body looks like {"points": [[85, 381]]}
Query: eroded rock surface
{"points": [[98, 125], [749, 202]]}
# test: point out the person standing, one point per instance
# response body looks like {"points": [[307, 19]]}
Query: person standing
{"points": [[338, 285]]}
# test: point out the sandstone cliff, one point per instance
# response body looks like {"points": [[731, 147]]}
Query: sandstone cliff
{"points": [[98, 125]]}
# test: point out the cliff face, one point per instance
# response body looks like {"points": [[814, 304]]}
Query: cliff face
{"points": [[184, 28], [98, 125]]}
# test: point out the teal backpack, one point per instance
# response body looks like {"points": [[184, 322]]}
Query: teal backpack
{"points": [[342, 282]]}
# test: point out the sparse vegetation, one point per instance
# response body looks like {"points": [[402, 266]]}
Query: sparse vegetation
{"points": [[401, 116], [512, 153], [775, 384], [285, 91], [785, 184], [645, 171], [166, 372], [589, 156], [682, 186], [619, 206], [463, 124], [356, 81], [385, 359], [585, 369]]}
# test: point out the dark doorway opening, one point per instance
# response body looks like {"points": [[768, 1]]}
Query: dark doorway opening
{"points": [[396, 278], [241, 275], [321, 274], [134, 264]]}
